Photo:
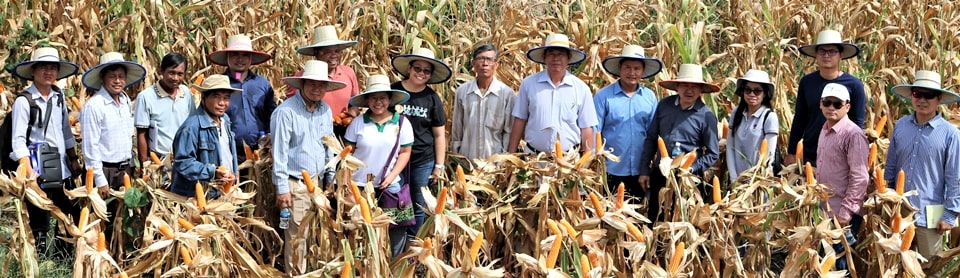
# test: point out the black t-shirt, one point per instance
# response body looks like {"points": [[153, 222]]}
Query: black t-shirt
{"points": [[424, 111]]}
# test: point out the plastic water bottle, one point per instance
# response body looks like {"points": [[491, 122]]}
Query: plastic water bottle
{"points": [[285, 218], [676, 150], [262, 139]]}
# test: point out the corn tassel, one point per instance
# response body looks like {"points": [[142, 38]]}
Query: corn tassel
{"points": [[572, 232], [201, 197], [347, 270], [460, 176], [554, 251], [873, 155], [808, 170], [308, 181], [762, 151], [165, 231], [346, 151], [89, 180], [557, 150], [662, 147], [102, 243], [881, 124], [635, 232], [365, 210], [185, 255], [827, 264], [598, 144], [907, 238], [84, 217], [475, 247], [441, 201], [583, 159], [880, 182], [677, 258], [620, 196], [356, 191], [154, 158], [597, 205], [185, 224], [717, 197], [585, 265], [900, 177], [895, 222], [690, 158]]}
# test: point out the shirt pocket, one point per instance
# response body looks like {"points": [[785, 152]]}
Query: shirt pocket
{"points": [[494, 113], [569, 109]]}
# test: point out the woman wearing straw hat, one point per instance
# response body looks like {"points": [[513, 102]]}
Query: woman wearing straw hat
{"points": [[250, 110], [925, 146], [829, 50], [686, 124], [384, 141], [204, 142], [328, 47], [625, 111], [298, 127], [753, 122], [44, 69], [425, 112]]}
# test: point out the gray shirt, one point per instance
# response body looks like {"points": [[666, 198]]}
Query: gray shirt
{"points": [[57, 135], [744, 143]]}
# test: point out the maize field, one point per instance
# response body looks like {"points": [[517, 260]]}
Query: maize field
{"points": [[545, 215]]}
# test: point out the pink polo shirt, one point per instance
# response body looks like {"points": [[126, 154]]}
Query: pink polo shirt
{"points": [[842, 165], [337, 99]]}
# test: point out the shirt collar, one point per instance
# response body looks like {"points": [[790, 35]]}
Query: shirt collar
{"points": [[35, 93], [935, 122], [545, 77], [619, 89], [107, 99], [394, 119], [840, 123], [250, 75], [163, 93], [495, 87], [206, 120], [756, 114], [696, 105]]}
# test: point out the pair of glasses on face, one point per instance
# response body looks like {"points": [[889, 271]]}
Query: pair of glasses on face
{"points": [[835, 104], [422, 70], [828, 52], [925, 95], [751, 91]]}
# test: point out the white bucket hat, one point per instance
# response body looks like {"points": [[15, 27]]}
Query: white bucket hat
{"points": [[651, 66], [324, 36], [441, 71], [379, 84], [556, 41], [24, 70], [239, 43], [755, 76], [831, 37], [929, 80], [216, 82], [314, 70], [690, 73], [135, 72]]}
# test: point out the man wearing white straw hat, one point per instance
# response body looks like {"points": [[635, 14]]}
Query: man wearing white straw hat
{"points": [[829, 50], [328, 47], [925, 146], [161, 108], [686, 124], [39, 116], [106, 120], [250, 110], [481, 109], [298, 127], [625, 110], [554, 104]]}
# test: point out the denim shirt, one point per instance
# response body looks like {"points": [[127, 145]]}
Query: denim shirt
{"points": [[251, 108], [196, 152]]}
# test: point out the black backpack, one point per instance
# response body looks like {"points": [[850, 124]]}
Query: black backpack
{"points": [[6, 131]]}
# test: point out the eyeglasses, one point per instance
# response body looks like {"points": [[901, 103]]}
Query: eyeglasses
{"points": [[835, 104], [925, 95], [751, 91], [828, 52], [422, 70], [479, 59]]}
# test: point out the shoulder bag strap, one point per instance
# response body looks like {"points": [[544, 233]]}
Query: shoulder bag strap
{"points": [[383, 173]]}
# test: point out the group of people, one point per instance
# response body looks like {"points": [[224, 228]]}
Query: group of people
{"points": [[400, 134]]}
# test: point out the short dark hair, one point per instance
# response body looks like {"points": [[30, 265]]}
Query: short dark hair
{"points": [[171, 60], [38, 64], [211, 92], [113, 67], [839, 46], [484, 48]]}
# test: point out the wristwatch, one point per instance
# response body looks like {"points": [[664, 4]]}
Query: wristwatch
{"points": [[439, 166]]}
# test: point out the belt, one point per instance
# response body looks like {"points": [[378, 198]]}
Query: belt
{"points": [[121, 165], [537, 151]]}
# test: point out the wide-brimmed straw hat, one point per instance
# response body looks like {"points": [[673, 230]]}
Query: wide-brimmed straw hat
{"points": [[239, 43], [441, 71], [556, 41], [924, 79], [314, 70], [690, 73], [831, 37], [379, 84], [216, 82], [651, 66], [135, 72], [324, 36], [24, 70], [755, 76]]}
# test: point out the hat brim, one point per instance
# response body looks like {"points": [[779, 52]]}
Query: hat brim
{"points": [[396, 97], [743, 82], [297, 82], [706, 87], [536, 54], [906, 92], [651, 66], [219, 57], [311, 50], [135, 73], [203, 90], [848, 50], [441, 71], [24, 71]]}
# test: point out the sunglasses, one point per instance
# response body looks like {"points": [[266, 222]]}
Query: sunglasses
{"points": [[749, 91], [422, 70], [925, 95], [835, 104]]}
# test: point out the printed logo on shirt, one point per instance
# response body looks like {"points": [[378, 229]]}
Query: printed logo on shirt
{"points": [[415, 111]]}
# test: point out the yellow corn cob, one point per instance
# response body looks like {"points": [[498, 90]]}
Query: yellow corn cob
{"points": [[598, 144], [690, 158], [247, 151], [356, 191], [881, 124], [570, 230], [76, 103], [583, 159], [726, 130], [585, 265], [308, 181], [441, 201], [808, 170], [907, 238], [101, 243], [800, 151], [347, 270], [427, 243], [475, 247], [123, 274], [346, 150], [554, 252], [154, 158], [662, 147], [256, 155], [460, 176], [165, 231], [185, 255], [620, 193], [126, 181], [24, 164], [597, 205], [900, 177], [677, 258], [197, 82], [717, 198], [201, 197], [89, 180], [557, 150], [365, 210], [228, 183], [828, 263], [880, 182], [186, 225], [84, 214], [635, 232], [594, 260], [895, 222], [873, 155], [762, 151], [552, 225]]}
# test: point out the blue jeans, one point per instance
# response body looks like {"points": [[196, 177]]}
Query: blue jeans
{"points": [[855, 222], [419, 178]]}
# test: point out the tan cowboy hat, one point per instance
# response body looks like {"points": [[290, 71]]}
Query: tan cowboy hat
{"points": [[755, 76], [239, 43], [216, 82], [314, 70], [379, 84], [925, 79], [24, 70], [651, 66], [690, 73], [135, 72], [831, 37], [556, 41], [324, 36], [441, 71]]}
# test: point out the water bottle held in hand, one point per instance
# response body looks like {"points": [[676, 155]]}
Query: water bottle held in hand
{"points": [[676, 150], [285, 218], [262, 139]]}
